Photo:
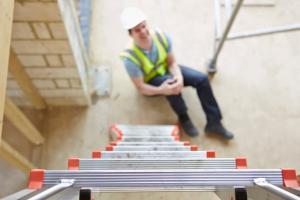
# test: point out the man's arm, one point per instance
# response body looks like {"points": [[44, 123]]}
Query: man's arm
{"points": [[166, 88], [173, 66], [176, 72]]}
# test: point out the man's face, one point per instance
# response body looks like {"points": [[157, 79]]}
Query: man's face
{"points": [[140, 32]]}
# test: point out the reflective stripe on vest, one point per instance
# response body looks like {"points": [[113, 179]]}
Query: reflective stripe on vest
{"points": [[162, 38], [150, 69]]}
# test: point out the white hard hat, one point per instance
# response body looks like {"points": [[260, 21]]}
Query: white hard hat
{"points": [[131, 17]]}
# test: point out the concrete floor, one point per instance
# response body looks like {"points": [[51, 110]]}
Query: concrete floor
{"points": [[257, 87]]}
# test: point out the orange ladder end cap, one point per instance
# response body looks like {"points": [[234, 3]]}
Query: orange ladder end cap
{"points": [[119, 134], [289, 178], [114, 143], [194, 148], [96, 154], [36, 179], [119, 138], [176, 137], [241, 163], [114, 125], [210, 154], [73, 163], [175, 131], [109, 148], [186, 143]]}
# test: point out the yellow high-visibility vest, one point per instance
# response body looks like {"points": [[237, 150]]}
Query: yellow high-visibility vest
{"points": [[149, 68]]}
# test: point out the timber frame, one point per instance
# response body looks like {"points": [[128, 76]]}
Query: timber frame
{"points": [[9, 62]]}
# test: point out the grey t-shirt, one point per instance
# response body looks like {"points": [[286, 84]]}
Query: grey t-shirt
{"points": [[134, 70]]}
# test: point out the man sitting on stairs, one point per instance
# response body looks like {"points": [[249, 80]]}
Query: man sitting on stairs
{"points": [[153, 69]]}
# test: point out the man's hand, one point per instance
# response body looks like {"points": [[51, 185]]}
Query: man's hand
{"points": [[167, 87], [171, 86], [178, 85]]}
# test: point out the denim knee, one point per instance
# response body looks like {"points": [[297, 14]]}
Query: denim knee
{"points": [[202, 80]]}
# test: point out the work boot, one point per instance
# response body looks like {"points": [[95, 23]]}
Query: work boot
{"points": [[187, 125], [218, 129]]}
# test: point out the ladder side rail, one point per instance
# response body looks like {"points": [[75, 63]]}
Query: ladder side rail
{"points": [[262, 182], [65, 183], [19, 195]]}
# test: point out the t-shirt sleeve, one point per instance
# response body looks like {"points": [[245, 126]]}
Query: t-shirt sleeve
{"points": [[132, 69], [169, 49]]}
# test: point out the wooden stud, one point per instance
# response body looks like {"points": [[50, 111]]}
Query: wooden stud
{"points": [[6, 17], [21, 122], [24, 82], [8, 153]]}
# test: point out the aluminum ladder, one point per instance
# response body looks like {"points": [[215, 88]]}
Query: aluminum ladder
{"points": [[152, 158]]}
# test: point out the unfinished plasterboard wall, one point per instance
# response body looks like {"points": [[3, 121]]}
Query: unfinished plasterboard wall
{"points": [[51, 52]]}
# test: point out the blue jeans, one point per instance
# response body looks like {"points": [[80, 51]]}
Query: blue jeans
{"points": [[200, 82]]}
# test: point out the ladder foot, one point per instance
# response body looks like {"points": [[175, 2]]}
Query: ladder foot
{"points": [[240, 194], [85, 194]]}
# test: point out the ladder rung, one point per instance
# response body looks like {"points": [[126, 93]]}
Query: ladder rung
{"points": [[153, 128], [164, 179], [149, 139], [176, 143], [159, 155], [150, 130], [207, 163], [147, 133], [150, 148]]}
